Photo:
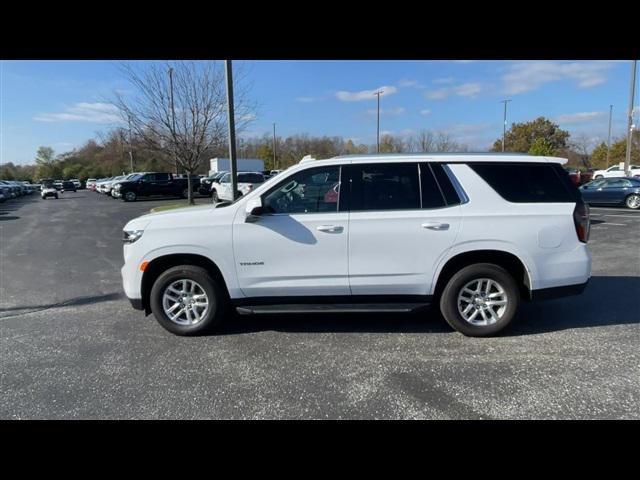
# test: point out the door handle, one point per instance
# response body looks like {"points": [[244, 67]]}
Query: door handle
{"points": [[436, 226], [330, 228]]}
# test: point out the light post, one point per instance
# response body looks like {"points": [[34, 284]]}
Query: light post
{"points": [[609, 138], [378, 93], [275, 166], [232, 129], [173, 118], [504, 123], [630, 126]]}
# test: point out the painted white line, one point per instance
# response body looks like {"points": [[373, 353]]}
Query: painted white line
{"points": [[621, 216], [616, 224]]}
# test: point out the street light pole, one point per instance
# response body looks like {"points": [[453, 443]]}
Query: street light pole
{"points": [[609, 138], [130, 152], [378, 129], [275, 165], [232, 129], [627, 159], [173, 118], [504, 123]]}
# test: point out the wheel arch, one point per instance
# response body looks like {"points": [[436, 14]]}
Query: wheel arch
{"points": [[160, 264], [511, 262]]}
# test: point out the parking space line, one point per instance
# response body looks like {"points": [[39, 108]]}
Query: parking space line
{"points": [[622, 216], [616, 224]]}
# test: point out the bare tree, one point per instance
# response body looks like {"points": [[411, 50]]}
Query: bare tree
{"points": [[187, 121], [583, 145], [425, 141]]}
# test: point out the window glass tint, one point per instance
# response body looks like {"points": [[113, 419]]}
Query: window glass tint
{"points": [[431, 195], [390, 186], [162, 177], [617, 183], [250, 178], [149, 177], [315, 190], [527, 182], [226, 178], [448, 190]]}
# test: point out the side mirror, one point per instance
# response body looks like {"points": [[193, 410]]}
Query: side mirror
{"points": [[254, 209]]}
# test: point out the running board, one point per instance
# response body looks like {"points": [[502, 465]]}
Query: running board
{"points": [[331, 308]]}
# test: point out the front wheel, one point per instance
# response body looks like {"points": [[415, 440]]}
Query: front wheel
{"points": [[130, 197], [598, 176], [186, 300], [480, 300], [214, 196], [185, 193], [633, 201]]}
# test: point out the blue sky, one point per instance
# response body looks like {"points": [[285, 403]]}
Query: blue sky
{"points": [[64, 103]]}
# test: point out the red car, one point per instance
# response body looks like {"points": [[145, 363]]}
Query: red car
{"points": [[574, 175]]}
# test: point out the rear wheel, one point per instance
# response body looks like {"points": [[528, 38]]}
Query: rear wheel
{"points": [[185, 193], [214, 196], [186, 300], [598, 176], [633, 201], [480, 300]]}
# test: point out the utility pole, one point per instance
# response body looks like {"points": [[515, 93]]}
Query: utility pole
{"points": [[378, 93], [627, 159], [173, 118], [609, 138], [504, 123], [130, 152], [232, 129], [275, 165]]}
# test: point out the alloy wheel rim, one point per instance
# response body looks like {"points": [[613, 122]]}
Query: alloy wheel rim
{"points": [[130, 196], [482, 302], [185, 302], [633, 201]]}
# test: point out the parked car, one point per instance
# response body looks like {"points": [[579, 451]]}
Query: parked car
{"points": [[90, 184], [58, 184], [77, 183], [586, 176], [48, 190], [616, 191], [152, 184], [247, 181], [449, 230], [12, 190], [68, 186], [615, 171], [574, 175], [205, 183], [115, 186]]}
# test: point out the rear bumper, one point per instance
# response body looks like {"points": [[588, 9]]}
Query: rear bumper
{"points": [[558, 292]]}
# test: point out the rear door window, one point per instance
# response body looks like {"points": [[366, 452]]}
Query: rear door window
{"points": [[384, 186]]}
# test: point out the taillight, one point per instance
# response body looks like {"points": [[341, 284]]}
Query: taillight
{"points": [[581, 221], [250, 187]]}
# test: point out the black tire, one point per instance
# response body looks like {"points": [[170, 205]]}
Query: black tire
{"points": [[218, 302], [129, 197], [629, 201], [214, 196], [56, 197], [598, 176], [185, 193], [449, 298]]}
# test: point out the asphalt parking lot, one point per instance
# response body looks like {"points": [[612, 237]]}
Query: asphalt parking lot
{"points": [[72, 347]]}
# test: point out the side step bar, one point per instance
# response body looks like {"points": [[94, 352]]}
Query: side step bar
{"points": [[331, 308]]}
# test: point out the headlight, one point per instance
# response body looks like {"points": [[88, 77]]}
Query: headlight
{"points": [[131, 236]]}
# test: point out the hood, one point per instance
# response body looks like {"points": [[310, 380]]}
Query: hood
{"points": [[170, 217]]}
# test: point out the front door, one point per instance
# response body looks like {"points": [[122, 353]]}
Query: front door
{"points": [[298, 247]]}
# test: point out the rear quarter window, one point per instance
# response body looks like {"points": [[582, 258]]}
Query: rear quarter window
{"points": [[528, 182]]}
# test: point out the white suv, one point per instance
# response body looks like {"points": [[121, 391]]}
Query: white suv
{"points": [[473, 234], [247, 181]]}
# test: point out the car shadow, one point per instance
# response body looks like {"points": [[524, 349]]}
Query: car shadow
{"points": [[87, 300], [606, 301]]}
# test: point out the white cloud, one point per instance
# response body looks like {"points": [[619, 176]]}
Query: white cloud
{"points": [[426, 111], [445, 80], [364, 94], [581, 117], [387, 111], [307, 99], [387, 132], [83, 112], [408, 83], [464, 90], [248, 117], [527, 76]]}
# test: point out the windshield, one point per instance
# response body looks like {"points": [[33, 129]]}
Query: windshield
{"points": [[133, 177]]}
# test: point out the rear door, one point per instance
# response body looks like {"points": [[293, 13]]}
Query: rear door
{"points": [[400, 224]]}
